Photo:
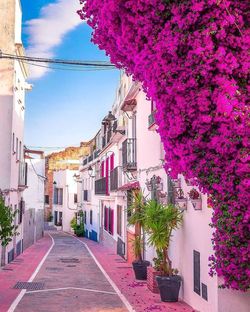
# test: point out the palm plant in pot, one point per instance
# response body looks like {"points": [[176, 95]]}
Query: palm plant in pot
{"points": [[137, 219], [160, 221]]}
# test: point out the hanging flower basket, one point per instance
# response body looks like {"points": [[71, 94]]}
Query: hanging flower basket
{"points": [[180, 200], [195, 199]]}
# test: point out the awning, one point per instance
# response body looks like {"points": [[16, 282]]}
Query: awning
{"points": [[130, 186]]}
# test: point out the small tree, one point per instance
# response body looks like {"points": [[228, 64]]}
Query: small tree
{"points": [[137, 218], [7, 227], [161, 220]]}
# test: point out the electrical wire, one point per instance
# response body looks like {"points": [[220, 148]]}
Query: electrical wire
{"points": [[69, 69], [98, 64], [41, 178]]}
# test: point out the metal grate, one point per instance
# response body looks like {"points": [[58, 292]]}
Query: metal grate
{"points": [[29, 285]]}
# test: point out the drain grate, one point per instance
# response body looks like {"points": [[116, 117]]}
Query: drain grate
{"points": [[69, 260], [29, 285], [71, 266]]}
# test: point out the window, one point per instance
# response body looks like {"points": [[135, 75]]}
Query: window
{"points": [[13, 143], [20, 211], [17, 149], [75, 198], [196, 268], [91, 217], [46, 199], [119, 220], [109, 220], [20, 150], [58, 196], [85, 217]]}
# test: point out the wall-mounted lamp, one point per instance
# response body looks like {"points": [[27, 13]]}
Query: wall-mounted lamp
{"points": [[76, 178], [107, 119], [55, 183], [119, 131], [130, 175], [91, 172]]}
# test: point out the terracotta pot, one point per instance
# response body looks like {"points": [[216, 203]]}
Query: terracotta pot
{"points": [[151, 280]]}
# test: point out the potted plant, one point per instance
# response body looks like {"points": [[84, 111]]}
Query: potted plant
{"points": [[180, 199], [195, 198], [137, 218], [160, 221]]}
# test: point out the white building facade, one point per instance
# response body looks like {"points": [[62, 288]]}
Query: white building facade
{"points": [[13, 75], [64, 198], [128, 155], [33, 228]]}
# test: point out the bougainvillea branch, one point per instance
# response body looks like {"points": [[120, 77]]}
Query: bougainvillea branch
{"points": [[192, 58]]}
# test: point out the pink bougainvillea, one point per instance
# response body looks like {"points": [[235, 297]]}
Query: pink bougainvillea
{"points": [[192, 58]]}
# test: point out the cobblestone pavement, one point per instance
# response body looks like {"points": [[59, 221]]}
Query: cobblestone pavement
{"points": [[70, 281]]}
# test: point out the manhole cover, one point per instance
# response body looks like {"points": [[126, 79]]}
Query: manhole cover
{"points": [[69, 260], [29, 285]]}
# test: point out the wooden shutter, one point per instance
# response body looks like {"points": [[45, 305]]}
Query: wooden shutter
{"points": [[196, 263], [112, 157], [102, 169], [111, 221], [107, 176], [119, 220], [55, 196], [106, 211]]}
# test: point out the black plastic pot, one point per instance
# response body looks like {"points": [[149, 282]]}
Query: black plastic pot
{"points": [[140, 269], [169, 287]]}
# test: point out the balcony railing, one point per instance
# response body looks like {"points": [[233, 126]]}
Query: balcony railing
{"points": [[96, 154], [90, 158], [22, 178], [100, 186], [85, 161], [151, 119], [129, 155], [114, 183]]}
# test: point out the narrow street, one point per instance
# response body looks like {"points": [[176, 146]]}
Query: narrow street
{"points": [[70, 281]]}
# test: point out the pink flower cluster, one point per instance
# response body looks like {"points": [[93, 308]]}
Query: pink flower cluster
{"points": [[192, 59]]}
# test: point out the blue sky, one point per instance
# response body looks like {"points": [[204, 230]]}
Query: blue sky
{"points": [[64, 107]]}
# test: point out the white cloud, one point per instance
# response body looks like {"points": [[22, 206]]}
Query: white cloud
{"points": [[47, 32]]}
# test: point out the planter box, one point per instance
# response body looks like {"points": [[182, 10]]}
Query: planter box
{"points": [[182, 203], [197, 204], [151, 281]]}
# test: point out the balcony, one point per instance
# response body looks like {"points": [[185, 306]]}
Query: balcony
{"points": [[114, 183], [96, 154], [151, 121], [90, 158], [22, 177], [129, 155], [100, 186]]}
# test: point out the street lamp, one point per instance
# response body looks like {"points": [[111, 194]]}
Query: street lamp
{"points": [[91, 172]]}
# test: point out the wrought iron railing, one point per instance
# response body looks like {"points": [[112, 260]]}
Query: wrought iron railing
{"points": [[100, 186], [22, 177], [129, 162]]}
